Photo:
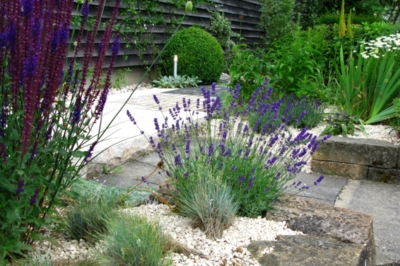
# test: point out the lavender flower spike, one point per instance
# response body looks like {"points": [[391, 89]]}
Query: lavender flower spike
{"points": [[156, 99], [316, 182]]}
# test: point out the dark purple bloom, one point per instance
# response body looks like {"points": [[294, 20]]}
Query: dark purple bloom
{"points": [[20, 188], [228, 152], [186, 174], [272, 160], [33, 199], [85, 10], [156, 99], [241, 179], [187, 149], [316, 182], [102, 101], [267, 190], [250, 184], [222, 146], [151, 140], [210, 149], [27, 6], [115, 45], [76, 115], [156, 124], [273, 140], [178, 161], [90, 152]]}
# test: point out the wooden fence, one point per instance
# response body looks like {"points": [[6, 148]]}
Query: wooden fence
{"points": [[244, 16]]}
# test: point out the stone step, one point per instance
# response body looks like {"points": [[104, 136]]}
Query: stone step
{"points": [[355, 158]]}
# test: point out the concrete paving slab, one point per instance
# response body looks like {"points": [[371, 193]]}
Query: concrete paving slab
{"points": [[131, 174], [327, 191], [151, 159], [382, 202]]}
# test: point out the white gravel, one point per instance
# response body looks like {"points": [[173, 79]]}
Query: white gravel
{"points": [[228, 250]]}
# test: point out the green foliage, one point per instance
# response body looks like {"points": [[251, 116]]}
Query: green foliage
{"points": [[277, 18], [296, 63], [176, 82], [341, 124], [246, 68], [221, 28], [133, 240], [370, 83], [330, 19], [204, 198], [199, 55]]}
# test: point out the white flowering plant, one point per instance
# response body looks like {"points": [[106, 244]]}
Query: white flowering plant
{"points": [[371, 80], [378, 47]]}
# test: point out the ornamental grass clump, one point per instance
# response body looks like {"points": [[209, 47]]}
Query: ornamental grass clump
{"points": [[133, 240], [255, 166], [48, 106], [371, 81]]}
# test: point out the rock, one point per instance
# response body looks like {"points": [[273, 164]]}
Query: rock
{"points": [[300, 250], [353, 171], [325, 221], [376, 153], [391, 176]]}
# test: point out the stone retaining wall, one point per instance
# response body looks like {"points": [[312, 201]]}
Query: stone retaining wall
{"points": [[368, 159]]}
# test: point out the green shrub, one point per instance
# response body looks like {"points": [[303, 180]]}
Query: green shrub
{"points": [[133, 240], [296, 62], [221, 28], [277, 18], [199, 55], [331, 19], [205, 199], [246, 68]]}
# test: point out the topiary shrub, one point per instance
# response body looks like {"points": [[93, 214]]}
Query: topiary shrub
{"points": [[199, 55]]}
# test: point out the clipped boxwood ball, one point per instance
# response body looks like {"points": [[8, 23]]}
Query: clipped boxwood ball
{"points": [[199, 54]]}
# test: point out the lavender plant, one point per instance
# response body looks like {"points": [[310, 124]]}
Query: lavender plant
{"points": [[255, 166], [293, 111], [47, 111]]}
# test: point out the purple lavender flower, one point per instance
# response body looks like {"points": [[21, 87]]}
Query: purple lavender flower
{"points": [[273, 140], [178, 161], [156, 124], [210, 150], [241, 179], [131, 117], [250, 184], [187, 148], [267, 190], [156, 99], [228, 153], [316, 182], [222, 147]]}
